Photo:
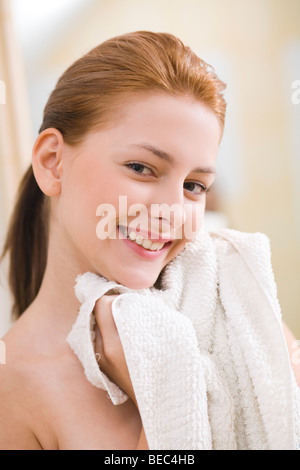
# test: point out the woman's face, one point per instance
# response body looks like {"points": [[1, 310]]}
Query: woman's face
{"points": [[143, 177]]}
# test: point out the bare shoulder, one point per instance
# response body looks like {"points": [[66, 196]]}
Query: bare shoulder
{"points": [[47, 403], [35, 400], [27, 381], [15, 429]]}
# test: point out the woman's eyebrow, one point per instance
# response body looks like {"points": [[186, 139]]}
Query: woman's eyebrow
{"points": [[168, 158]]}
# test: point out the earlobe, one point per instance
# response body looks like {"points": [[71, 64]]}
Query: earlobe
{"points": [[47, 161]]}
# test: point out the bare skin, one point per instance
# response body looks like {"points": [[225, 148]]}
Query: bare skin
{"points": [[46, 401]]}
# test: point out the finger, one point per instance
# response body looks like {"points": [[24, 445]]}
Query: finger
{"points": [[103, 312], [112, 361], [98, 345], [107, 334]]}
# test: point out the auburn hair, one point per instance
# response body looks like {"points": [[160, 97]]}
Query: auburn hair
{"points": [[87, 96]]}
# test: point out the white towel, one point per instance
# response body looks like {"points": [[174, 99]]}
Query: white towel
{"points": [[205, 351]]}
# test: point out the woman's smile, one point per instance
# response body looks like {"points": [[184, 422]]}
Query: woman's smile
{"points": [[142, 246]]}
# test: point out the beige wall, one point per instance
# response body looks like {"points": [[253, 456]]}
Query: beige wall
{"points": [[15, 137], [255, 46]]}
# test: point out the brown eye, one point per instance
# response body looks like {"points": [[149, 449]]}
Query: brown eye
{"points": [[196, 188], [139, 168]]}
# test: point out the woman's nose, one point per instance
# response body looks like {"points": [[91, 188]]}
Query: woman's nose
{"points": [[168, 210]]}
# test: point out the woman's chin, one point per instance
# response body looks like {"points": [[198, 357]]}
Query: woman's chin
{"points": [[136, 284], [135, 279]]}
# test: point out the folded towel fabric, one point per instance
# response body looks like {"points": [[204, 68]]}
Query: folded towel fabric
{"points": [[206, 351]]}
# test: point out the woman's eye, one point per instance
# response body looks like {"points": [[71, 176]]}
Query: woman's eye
{"points": [[196, 188], [140, 168]]}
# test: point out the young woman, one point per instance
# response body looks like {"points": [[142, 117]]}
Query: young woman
{"points": [[141, 117]]}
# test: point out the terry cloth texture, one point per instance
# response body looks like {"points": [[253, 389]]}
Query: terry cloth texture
{"points": [[205, 352]]}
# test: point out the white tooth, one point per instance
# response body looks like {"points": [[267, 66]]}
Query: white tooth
{"points": [[146, 244], [160, 246], [154, 246], [132, 236], [139, 240]]}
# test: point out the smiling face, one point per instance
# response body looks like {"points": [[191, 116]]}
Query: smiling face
{"points": [[160, 150]]}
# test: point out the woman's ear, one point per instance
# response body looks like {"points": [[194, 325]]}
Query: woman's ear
{"points": [[47, 161]]}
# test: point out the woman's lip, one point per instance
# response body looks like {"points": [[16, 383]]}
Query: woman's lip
{"points": [[141, 251], [155, 238]]}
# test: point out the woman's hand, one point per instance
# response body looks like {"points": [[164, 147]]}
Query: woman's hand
{"points": [[108, 346]]}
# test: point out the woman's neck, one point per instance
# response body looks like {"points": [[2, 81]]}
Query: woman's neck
{"points": [[55, 308]]}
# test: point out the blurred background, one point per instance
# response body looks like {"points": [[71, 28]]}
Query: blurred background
{"points": [[254, 47]]}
